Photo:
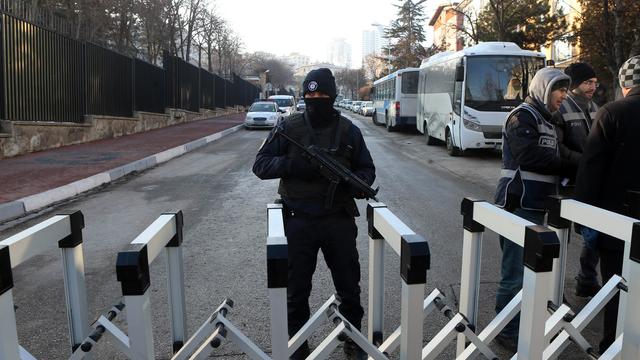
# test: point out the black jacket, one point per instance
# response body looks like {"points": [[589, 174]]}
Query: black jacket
{"points": [[530, 158], [272, 162], [610, 163]]}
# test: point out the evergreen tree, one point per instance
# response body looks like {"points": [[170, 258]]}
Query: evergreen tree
{"points": [[406, 35], [530, 24]]}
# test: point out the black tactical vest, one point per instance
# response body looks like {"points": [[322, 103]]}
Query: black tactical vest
{"points": [[335, 139]]}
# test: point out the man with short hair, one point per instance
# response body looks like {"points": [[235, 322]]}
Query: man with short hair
{"points": [[608, 170], [530, 168], [312, 222], [575, 118]]}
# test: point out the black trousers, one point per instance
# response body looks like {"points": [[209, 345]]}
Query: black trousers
{"points": [[610, 264], [335, 235]]}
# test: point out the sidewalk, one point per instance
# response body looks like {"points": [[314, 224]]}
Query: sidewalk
{"points": [[35, 180]]}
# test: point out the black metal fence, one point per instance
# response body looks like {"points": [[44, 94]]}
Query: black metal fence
{"points": [[41, 74], [45, 76], [109, 82], [207, 90], [150, 87]]}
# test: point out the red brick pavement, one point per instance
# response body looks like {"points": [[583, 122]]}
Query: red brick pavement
{"points": [[37, 172]]}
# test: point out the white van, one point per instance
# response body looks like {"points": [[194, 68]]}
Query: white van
{"points": [[286, 103]]}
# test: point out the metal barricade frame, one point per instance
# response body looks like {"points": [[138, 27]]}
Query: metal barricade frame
{"points": [[64, 231]]}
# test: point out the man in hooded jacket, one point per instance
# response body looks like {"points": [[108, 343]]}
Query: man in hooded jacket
{"points": [[531, 166], [310, 223]]}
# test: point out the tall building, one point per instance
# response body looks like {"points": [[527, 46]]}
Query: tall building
{"points": [[373, 41], [339, 53]]}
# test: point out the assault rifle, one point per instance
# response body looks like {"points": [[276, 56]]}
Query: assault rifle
{"points": [[332, 170]]}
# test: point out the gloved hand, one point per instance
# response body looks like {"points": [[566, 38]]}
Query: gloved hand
{"points": [[301, 168]]}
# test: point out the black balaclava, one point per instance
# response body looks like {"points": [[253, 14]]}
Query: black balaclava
{"points": [[320, 110]]}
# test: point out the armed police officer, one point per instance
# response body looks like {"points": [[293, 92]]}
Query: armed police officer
{"points": [[317, 218], [531, 166]]}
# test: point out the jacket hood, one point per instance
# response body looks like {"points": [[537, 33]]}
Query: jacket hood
{"points": [[542, 83]]}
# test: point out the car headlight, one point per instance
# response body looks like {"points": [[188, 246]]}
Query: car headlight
{"points": [[248, 118], [273, 117], [472, 125]]}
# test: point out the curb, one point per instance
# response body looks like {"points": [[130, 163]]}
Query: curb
{"points": [[27, 204]]}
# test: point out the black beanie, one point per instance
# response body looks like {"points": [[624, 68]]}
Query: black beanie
{"points": [[579, 72], [320, 80]]}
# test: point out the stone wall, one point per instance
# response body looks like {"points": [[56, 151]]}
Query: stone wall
{"points": [[21, 137]]}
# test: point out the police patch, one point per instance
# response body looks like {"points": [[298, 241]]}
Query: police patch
{"points": [[547, 141], [313, 86]]}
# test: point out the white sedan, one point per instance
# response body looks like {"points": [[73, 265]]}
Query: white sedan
{"points": [[264, 114]]}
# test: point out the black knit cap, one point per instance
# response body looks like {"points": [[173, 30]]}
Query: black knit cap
{"points": [[320, 80], [579, 72]]}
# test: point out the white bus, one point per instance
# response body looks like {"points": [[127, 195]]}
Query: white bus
{"points": [[394, 99], [465, 96]]}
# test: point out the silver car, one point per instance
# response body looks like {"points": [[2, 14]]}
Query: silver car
{"points": [[263, 114]]}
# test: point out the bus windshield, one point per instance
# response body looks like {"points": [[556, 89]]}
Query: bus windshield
{"points": [[410, 82], [499, 83]]}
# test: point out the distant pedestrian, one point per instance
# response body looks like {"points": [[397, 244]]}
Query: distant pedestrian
{"points": [[608, 169], [575, 119], [531, 166]]}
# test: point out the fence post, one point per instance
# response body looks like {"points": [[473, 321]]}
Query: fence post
{"points": [[631, 339], [74, 282], [8, 330], [414, 262], [132, 270], [277, 272], [470, 272], [541, 246], [376, 279], [562, 228], [175, 282]]}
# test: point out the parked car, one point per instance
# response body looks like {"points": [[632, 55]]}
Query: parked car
{"points": [[301, 106], [347, 102], [366, 109], [355, 106], [263, 114]]}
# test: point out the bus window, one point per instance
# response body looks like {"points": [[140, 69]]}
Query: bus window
{"points": [[410, 82]]}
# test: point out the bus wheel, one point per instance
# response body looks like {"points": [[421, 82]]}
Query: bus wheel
{"points": [[375, 118], [428, 138], [452, 150]]}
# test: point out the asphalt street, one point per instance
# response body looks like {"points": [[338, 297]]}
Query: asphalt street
{"points": [[224, 208]]}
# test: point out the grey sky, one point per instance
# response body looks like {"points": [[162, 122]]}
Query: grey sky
{"points": [[285, 26]]}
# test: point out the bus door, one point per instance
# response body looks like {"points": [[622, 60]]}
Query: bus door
{"points": [[456, 115]]}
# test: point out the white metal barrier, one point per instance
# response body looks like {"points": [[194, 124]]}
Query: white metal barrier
{"points": [[562, 212], [386, 228], [64, 231], [132, 270], [541, 248]]}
